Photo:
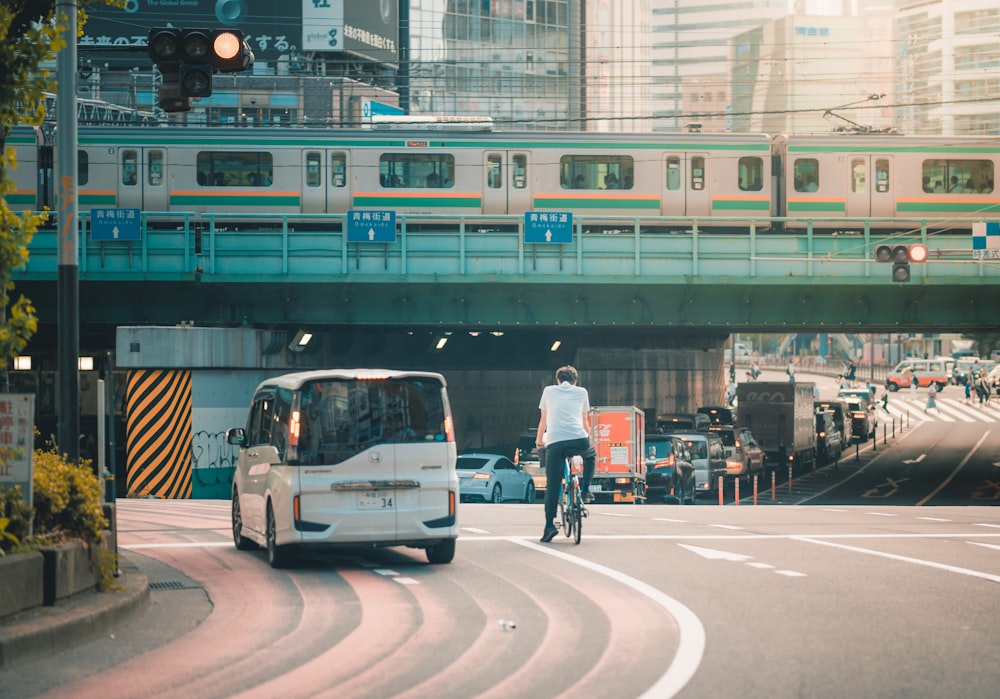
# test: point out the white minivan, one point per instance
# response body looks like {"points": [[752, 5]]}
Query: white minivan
{"points": [[347, 457]]}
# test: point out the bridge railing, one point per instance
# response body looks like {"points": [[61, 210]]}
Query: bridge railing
{"points": [[298, 246]]}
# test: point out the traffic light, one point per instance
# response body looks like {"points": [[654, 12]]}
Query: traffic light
{"points": [[187, 58], [901, 256]]}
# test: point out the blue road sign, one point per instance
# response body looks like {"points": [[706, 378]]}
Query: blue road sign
{"points": [[370, 108], [548, 227], [114, 224], [371, 226]]}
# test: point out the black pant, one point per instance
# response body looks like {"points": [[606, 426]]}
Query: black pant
{"points": [[555, 462]]}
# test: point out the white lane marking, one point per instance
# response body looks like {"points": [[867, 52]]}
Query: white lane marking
{"points": [[184, 545], [989, 546], [665, 519], [691, 646], [613, 514], [406, 581], [715, 554], [833, 509], [387, 572], [904, 559], [473, 530], [943, 484], [790, 573], [951, 410], [760, 564], [882, 514], [984, 524], [935, 519], [726, 526]]}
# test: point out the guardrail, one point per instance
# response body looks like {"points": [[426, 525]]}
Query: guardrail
{"points": [[305, 247]]}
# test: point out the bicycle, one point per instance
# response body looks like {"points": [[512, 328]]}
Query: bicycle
{"points": [[571, 509]]}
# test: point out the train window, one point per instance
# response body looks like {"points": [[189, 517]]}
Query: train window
{"points": [[958, 176], [673, 173], [423, 170], [806, 174], [596, 171], [338, 169], [697, 172], [494, 173], [82, 168], [154, 175], [130, 167], [882, 176], [519, 171], [314, 175], [234, 168], [859, 177], [751, 173]]}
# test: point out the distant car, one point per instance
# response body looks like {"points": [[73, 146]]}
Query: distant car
{"points": [[492, 478], [841, 417], [828, 444], [966, 368], [928, 371], [708, 456], [529, 457], [744, 457], [868, 399], [862, 423], [719, 414], [668, 470], [683, 422]]}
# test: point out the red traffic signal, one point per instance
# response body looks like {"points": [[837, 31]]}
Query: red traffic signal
{"points": [[187, 58], [901, 256]]}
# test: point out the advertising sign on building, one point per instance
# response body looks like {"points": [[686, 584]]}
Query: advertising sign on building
{"points": [[17, 441], [322, 25]]}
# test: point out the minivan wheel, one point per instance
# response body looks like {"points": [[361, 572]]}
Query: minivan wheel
{"points": [[892, 387], [441, 552], [277, 556], [242, 543]]}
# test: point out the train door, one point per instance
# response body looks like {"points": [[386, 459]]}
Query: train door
{"points": [[519, 179], [339, 187], [687, 189], [870, 188], [494, 184], [314, 194]]}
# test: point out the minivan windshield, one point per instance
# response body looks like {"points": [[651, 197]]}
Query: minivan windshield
{"points": [[343, 417]]}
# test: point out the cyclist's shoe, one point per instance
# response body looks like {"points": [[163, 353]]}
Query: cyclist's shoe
{"points": [[588, 498], [549, 534]]}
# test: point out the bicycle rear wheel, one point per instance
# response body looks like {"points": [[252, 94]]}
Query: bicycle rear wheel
{"points": [[564, 512]]}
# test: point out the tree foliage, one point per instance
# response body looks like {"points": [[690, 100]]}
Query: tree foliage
{"points": [[31, 34]]}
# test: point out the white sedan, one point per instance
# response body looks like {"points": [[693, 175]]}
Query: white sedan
{"points": [[493, 478]]}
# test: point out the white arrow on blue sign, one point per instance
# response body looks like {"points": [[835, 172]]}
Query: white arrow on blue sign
{"points": [[114, 224], [371, 226], [548, 227]]}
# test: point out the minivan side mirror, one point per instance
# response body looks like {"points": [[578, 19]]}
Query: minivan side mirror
{"points": [[237, 436]]}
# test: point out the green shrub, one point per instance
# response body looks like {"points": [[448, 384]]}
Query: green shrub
{"points": [[67, 498], [15, 515]]}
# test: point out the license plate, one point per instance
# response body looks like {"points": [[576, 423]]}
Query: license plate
{"points": [[596, 488], [376, 500]]}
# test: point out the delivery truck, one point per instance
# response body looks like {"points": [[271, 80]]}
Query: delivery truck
{"points": [[780, 415], [618, 434]]}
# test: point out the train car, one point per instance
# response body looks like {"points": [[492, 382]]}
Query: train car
{"points": [[720, 178], [25, 184], [857, 176]]}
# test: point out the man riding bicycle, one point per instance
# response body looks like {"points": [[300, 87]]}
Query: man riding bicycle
{"points": [[564, 431]]}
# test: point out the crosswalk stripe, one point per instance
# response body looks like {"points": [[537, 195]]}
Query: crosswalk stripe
{"points": [[948, 410]]}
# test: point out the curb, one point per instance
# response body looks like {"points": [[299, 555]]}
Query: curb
{"points": [[45, 631]]}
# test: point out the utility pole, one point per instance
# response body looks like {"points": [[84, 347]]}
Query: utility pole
{"points": [[69, 243]]}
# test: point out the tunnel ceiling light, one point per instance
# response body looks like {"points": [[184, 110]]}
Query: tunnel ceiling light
{"points": [[441, 343], [555, 345], [300, 341]]}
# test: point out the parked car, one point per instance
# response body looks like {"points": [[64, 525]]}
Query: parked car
{"points": [[744, 457], [682, 422], [708, 456], [719, 414], [492, 478], [669, 471], [828, 444], [530, 458]]}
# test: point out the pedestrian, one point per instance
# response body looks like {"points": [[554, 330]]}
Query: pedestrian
{"points": [[931, 391], [885, 399], [732, 372], [755, 370], [914, 382], [968, 391], [564, 431], [790, 370]]}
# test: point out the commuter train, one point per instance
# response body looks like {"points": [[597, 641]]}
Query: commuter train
{"points": [[722, 180]]}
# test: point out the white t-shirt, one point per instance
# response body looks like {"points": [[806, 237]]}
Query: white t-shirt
{"points": [[564, 406]]}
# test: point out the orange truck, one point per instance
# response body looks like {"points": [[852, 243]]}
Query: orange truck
{"points": [[619, 435]]}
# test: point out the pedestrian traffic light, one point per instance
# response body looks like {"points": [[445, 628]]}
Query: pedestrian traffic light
{"points": [[901, 256], [187, 58]]}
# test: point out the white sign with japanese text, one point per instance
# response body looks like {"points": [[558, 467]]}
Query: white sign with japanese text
{"points": [[17, 441]]}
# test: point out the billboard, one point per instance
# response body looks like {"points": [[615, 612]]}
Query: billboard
{"points": [[371, 29], [367, 28]]}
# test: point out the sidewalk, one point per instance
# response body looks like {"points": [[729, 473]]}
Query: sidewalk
{"points": [[45, 631]]}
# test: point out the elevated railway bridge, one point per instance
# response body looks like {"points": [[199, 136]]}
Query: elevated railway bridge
{"points": [[646, 315]]}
